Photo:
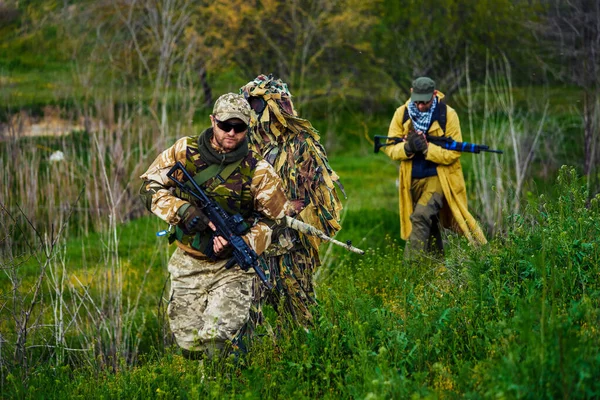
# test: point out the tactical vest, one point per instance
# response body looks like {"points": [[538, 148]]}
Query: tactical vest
{"points": [[421, 167], [232, 193]]}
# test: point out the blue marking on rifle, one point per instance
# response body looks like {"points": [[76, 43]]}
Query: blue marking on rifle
{"points": [[442, 141]]}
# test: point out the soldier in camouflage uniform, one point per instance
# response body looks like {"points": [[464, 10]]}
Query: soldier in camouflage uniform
{"points": [[210, 305], [291, 145]]}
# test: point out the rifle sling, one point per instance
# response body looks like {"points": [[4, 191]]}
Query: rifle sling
{"points": [[215, 170], [224, 174], [202, 242]]}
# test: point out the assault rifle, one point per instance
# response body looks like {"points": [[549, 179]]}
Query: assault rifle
{"points": [[230, 227], [442, 141]]}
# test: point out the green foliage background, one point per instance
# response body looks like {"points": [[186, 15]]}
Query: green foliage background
{"points": [[517, 318]]}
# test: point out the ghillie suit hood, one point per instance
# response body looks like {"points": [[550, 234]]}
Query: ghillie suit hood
{"points": [[291, 144]]}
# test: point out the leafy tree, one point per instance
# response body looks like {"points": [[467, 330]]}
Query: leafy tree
{"points": [[323, 42], [433, 38]]}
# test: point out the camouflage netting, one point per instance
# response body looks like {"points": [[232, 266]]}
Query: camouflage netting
{"points": [[292, 146]]}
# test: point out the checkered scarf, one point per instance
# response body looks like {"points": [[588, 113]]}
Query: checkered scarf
{"points": [[421, 120]]}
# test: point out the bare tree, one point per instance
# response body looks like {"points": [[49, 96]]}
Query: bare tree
{"points": [[156, 30], [145, 50], [571, 33]]}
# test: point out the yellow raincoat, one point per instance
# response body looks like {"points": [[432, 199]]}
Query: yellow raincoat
{"points": [[455, 214]]}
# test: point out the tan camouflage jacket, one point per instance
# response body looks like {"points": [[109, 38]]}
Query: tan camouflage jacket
{"points": [[266, 189]]}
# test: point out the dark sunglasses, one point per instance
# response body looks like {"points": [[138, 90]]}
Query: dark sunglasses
{"points": [[227, 126], [258, 104], [423, 102]]}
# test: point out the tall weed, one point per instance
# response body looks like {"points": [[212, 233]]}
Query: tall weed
{"points": [[516, 318]]}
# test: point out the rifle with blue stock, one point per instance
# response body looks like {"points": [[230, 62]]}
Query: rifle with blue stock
{"points": [[442, 141], [230, 227]]}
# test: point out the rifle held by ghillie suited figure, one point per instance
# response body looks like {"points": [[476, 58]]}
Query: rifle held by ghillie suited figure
{"points": [[444, 142], [311, 230]]}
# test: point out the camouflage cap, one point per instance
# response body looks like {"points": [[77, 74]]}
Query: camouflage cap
{"points": [[231, 105]]}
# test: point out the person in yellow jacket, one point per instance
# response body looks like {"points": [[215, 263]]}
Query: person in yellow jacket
{"points": [[432, 187]]}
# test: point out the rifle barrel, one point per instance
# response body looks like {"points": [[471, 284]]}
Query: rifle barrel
{"points": [[311, 230]]}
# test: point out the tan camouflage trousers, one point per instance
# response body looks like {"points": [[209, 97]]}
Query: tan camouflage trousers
{"points": [[428, 200], [209, 305]]}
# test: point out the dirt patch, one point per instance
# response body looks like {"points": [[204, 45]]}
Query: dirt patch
{"points": [[53, 123]]}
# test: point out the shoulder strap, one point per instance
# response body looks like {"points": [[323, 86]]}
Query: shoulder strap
{"points": [[215, 170], [406, 116], [206, 174], [442, 115], [224, 174]]}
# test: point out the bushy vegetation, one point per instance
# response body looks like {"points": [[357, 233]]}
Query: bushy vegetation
{"points": [[82, 273], [516, 318]]}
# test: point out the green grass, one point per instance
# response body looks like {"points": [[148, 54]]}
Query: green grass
{"points": [[517, 318], [34, 89]]}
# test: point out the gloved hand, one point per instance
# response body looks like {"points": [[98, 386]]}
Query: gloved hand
{"points": [[415, 142], [193, 220], [420, 143], [409, 146]]}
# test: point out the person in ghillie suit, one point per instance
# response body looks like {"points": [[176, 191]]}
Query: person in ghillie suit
{"points": [[292, 146]]}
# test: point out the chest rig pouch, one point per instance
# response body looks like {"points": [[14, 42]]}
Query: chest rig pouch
{"points": [[228, 193]]}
